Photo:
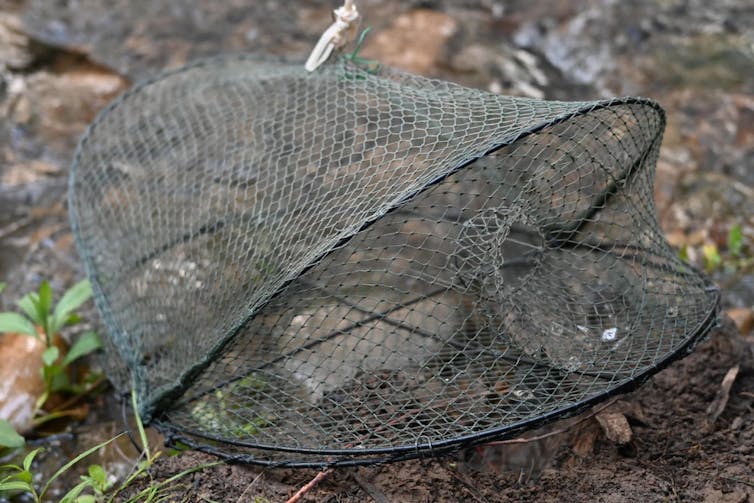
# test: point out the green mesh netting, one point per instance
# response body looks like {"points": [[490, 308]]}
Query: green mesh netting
{"points": [[353, 265]]}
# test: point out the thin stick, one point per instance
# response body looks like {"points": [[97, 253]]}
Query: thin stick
{"points": [[310, 485]]}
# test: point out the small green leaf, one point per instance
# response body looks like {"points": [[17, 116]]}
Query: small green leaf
{"points": [[87, 343], [28, 305], [98, 476], [735, 240], [24, 476], [9, 437], [72, 496], [50, 355], [29, 459], [60, 380], [72, 300], [14, 322], [2, 286], [87, 498], [16, 485], [44, 305], [96, 472]]}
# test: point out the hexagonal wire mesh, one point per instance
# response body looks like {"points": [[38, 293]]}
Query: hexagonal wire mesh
{"points": [[354, 266]]}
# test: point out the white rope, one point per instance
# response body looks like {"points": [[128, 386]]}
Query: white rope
{"points": [[336, 36]]}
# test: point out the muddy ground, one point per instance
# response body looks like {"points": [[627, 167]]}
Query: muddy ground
{"points": [[61, 62]]}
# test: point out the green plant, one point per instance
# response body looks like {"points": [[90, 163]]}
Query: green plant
{"points": [[95, 485], [44, 320], [39, 311], [735, 241], [9, 439], [20, 479]]}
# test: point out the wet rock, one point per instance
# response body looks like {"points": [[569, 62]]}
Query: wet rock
{"points": [[21, 382]]}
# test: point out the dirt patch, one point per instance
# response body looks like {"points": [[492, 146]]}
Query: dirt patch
{"points": [[676, 454]]}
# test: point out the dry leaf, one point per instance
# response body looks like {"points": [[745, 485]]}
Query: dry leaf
{"points": [[743, 318]]}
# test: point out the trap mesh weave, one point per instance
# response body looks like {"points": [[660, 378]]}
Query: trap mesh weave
{"points": [[352, 266]]}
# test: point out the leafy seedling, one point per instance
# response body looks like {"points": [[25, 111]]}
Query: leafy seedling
{"points": [[41, 318]]}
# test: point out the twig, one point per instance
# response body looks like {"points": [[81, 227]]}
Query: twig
{"points": [[310, 485]]}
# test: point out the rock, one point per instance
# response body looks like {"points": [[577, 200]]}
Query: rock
{"points": [[743, 317], [21, 382], [414, 42], [15, 47]]}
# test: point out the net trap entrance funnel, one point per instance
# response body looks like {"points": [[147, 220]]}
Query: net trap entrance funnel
{"points": [[358, 264]]}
